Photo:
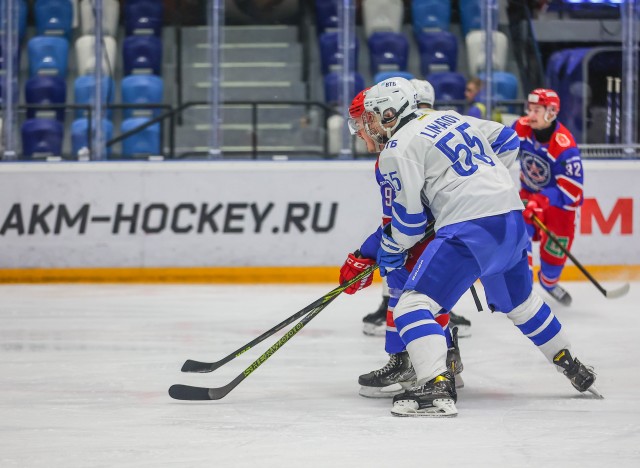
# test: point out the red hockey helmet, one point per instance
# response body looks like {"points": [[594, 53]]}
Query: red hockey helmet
{"points": [[546, 98], [356, 109]]}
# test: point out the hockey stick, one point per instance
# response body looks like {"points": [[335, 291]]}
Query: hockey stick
{"points": [[198, 366], [191, 365], [476, 299], [610, 294], [188, 392]]}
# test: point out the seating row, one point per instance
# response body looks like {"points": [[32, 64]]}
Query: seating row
{"points": [[44, 137]]}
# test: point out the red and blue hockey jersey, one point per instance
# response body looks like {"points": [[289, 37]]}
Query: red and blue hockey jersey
{"points": [[554, 168]]}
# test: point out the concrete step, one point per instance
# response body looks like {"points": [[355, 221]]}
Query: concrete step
{"points": [[236, 34], [245, 52], [248, 91], [243, 114], [253, 71]]}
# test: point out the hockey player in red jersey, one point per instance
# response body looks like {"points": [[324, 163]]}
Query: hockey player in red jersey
{"points": [[551, 175], [398, 373]]}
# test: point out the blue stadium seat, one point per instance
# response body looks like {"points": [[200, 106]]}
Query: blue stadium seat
{"points": [[431, 15], [80, 134], [48, 56], [54, 17], [147, 89], [326, 15], [329, 55], [142, 55], [448, 86], [42, 89], [143, 17], [438, 51], [22, 18], [384, 75], [332, 87], [388, 51], [555, 68], [505, 84], [145, 142], [84, 89], [471, 15], [41, 138]]}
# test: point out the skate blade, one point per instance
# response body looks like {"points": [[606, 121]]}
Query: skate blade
{"points": [[442, 408], [594, 391], [385, 392], [370, 329]]}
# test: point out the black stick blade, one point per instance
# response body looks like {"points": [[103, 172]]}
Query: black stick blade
{"points": [[196, 366], [187, 392]]}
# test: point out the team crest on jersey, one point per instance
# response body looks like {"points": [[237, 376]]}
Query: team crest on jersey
{"points": [[536, 170], [563, 140]]}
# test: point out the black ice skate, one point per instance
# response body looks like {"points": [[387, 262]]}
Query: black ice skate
{"points": [[375, 324], [560, 294], [580, 376], [396, 376], [454, 361], [464, 325], [433, 399]]}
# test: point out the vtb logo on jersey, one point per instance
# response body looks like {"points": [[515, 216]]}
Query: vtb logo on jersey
{"points": [[536, 170]]}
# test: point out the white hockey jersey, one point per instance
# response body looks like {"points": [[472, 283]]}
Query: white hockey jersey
{"points": [[455, 166]]}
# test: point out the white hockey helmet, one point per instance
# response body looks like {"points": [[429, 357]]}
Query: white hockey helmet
{"points": [[386, 104], [425, 92]]}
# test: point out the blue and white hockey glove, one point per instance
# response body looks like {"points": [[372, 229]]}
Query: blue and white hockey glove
{"points": [[391, 255]]}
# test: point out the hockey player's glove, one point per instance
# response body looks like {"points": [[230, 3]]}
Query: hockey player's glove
{"points": [[536, 205], [391, 255], [353, 267]]}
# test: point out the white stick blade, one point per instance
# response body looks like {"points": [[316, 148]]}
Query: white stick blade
{"points": [[621, 291]]}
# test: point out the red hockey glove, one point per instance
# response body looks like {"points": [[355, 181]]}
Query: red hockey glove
{"points": [[536, 205], [353, 267]]}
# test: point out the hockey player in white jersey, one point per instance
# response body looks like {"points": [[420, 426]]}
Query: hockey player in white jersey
{"points": [[444, 163]]}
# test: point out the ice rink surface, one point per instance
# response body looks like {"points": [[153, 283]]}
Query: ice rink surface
{"points": [[85, 369]]}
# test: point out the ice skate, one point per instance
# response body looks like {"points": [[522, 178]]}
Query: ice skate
{"points": [[560, 294], [454, 361], [396, 376], [375, 324], [464, 325], [433, 399], [581, 377]]}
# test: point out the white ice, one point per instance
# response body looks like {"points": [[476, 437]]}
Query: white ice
{"points": [[85, 369]]}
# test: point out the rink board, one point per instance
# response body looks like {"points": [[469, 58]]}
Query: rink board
{"points": [[209, 221]]}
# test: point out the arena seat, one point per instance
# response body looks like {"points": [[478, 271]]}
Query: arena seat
{"points": [[141, 89], [86, 59], [54, 18], [382, 16], [22, 18], [43, 89], [80, 134], [471, 15], [110, 17], [388, 51], [385, 75], [84, 90], [326, 16], [332, 87], [145, 142], [504, 83], [143, 17], [48, 56], [329, 55], [42, 138], [438, 51], [448, 86], [555, 68], [142, 55], [431, 15], [475, 41]]}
